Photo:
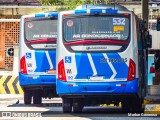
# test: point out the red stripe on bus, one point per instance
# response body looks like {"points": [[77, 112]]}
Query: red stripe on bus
{"points": [[95, 42], [41, 41]]}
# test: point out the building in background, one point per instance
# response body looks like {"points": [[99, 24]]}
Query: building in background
{"points": [[10, 13]]}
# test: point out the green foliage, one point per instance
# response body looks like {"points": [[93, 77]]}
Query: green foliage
{"points": [[47, 2], [70, 4]]}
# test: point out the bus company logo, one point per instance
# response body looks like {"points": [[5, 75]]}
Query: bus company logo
{"points": [[87, 48], [6, 114], [68, 59], [98, 47], [49, 46], [28, 56]]}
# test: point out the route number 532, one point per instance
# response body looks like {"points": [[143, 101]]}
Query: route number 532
{"points": [[118, 21]]}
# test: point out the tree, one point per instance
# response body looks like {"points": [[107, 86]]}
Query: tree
{"points": [[70, 4], [49, 2]]}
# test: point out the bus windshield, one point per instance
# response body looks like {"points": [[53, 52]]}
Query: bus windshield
{"points": [[41, 29], [95, 28]]}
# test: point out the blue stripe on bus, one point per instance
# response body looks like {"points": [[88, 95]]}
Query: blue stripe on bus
{"points": [[120, 67], [52, 14], [83, 66], [40, 15], [111, 11], [41, 61], [52, 54], [95, 10], [80, 11], [102, 68]]}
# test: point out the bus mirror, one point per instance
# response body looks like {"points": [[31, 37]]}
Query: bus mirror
{"points": [[149, 40], [158, 24]]}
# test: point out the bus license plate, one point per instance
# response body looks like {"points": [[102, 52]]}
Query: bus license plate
{"points": [[51, 71], [96, 78]]}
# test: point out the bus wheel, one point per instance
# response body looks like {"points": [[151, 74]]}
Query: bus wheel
{"points": [[67, 105], [127, 106], [27, 97], [138, 106], [78, 105], [37, 98], [132, 105]]}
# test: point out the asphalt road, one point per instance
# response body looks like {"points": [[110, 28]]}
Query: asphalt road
{"points": [[12, 107]]}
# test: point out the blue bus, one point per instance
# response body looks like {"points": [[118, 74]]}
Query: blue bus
{"points": [[37, 56], [101, 58]]}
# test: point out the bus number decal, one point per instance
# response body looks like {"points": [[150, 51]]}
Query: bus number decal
{"points": [[29, 64], [70, 77], [113, 60], [30, 71], [69, 71], [118, 21]]}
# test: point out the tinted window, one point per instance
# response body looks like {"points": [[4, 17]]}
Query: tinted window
{"points": [[40, 29], [96, 27]]}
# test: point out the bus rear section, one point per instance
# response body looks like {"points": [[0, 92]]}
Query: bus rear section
{"points": [[37, 56], [97, 59]]}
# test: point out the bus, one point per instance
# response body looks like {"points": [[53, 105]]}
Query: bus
{"points": [[101, 58], [37, 56]]}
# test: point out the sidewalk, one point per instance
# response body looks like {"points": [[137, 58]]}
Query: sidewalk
{"points": [[153, 99], [5, 72], [10, 96]]}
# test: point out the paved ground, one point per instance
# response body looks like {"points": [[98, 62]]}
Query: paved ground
{"points": [[11, 100], [3, 72], [14, 105]]}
